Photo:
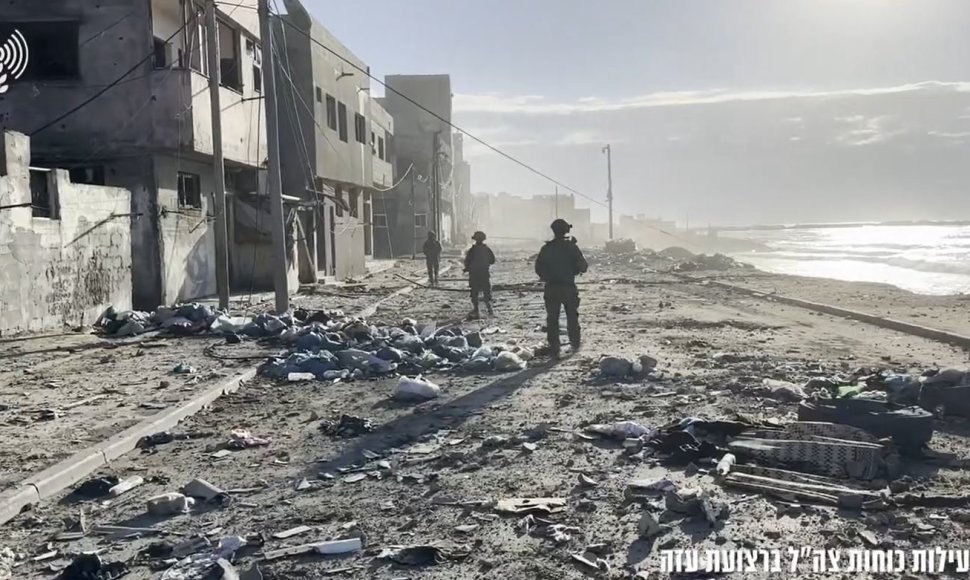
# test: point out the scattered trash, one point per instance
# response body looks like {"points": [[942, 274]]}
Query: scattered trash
{"points": [[347, 426], [184, 369], [96, 487], [292, 532], [725, 464], [648, 526], [202, 489], [92, 567], [160, 438], [508, 361], [126, 485], [168, 504], [784, 391], [243, 439], [417, 388], [612, 366], [622, 430], [330, 548], [537, 505], [422, 555]]}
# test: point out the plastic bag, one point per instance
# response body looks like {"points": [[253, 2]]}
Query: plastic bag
{"points": [[417, 388]]}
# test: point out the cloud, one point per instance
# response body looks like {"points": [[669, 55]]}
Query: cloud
{"points": [[539, 105]]}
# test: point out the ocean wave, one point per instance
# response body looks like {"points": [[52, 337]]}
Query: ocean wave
{"points": [[928, 266]]}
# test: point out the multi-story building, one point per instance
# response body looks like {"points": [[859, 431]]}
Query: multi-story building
{"points": [[117, 91], [424, 199], [511, 219], [335, 144]]}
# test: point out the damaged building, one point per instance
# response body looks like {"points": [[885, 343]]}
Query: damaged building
{"points": [[65, 248], [116, 92], [424, 200], [335, 145]]}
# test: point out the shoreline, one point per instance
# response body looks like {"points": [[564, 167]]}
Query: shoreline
{"points": [[944, 312]]}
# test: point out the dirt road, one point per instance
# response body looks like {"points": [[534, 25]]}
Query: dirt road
{"points": [[429, 473]]}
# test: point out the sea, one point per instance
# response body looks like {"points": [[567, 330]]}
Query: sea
{"points": [[925, 259]]}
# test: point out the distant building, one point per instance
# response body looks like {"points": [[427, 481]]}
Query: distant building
{"points": [[424, 161], [335, 145], [151, 133], [512, 219]]}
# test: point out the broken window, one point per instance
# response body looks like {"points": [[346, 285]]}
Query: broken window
{"points": [[420, 220], [354, 203], [339, 194], [42, 203], [342, 121], [331, 112], [360, 128], [380, 148], [190, 190], [230, 61], [195, 32], [257, 57], [380, 220], [53, 49], [91, 175], [160, 53]]}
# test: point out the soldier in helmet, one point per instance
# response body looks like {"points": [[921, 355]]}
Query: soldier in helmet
{"points": [[432, 257], [560, 261], [478, 260]]}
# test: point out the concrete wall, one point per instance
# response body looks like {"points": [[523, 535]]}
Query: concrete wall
{"points": [[350, 242], [187, 241], [29, 105], [305, 68], [382, 124], [64, 271]]}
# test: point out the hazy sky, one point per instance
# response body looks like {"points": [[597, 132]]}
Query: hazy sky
{"points": [[730, 111]]}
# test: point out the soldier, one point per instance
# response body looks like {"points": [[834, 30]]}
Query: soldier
{"points": [[478, 260], [432, 257], [558, 264]]}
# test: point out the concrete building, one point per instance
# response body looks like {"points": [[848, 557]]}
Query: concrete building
{"points": [[423, 152], [137, 74], [335, 145], [514, 220], [464, 203], [65, 248]]}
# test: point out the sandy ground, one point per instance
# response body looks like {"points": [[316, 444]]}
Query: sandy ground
{"points": [[440, 458]]}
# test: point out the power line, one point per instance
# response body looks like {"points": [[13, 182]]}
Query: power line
{"points": [[107, 88], [440, 118]]}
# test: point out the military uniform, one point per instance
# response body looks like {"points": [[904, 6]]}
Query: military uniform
{"points": [[432, 257], [558, 264], [478, 261]]}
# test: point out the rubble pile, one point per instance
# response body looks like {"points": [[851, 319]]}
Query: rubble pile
{"points": [[351, 348], [328, 345]]}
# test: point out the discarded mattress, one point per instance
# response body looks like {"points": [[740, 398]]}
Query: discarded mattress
{"points": [[911, 428], [823, 448]]}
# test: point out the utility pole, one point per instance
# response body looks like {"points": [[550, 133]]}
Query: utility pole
{"points": [[218, 165], [414, 233], [609, 187], [275, 179], [436, 192]]}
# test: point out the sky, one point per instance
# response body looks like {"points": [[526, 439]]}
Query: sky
{"points": [[717, 111]]}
